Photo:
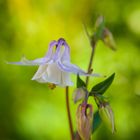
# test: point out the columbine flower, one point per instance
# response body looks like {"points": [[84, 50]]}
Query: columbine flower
{"points": [[55, 67]]}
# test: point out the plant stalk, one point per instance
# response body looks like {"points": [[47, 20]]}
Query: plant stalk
{"points": [[68, 113], [90, 63]]}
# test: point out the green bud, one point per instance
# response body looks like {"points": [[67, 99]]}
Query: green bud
{"points": [[99, 21], [107, 116], [108, 39], [84, 118], [99, 28]]}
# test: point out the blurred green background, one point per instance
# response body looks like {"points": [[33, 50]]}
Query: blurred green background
{"points": [[31, 111]]}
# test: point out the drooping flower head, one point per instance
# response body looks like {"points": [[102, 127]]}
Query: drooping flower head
{"points": [[55, 67], [84, 118]]}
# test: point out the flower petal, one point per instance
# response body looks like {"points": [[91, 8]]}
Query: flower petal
{"points": [[41, 70], [66, 54], [65, 79], [25, 61], [55, 75], [38, 61], [68, 67], [58, 52], [49, 54], [52, 73]]}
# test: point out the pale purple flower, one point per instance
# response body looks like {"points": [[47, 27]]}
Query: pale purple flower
{"points": [[55, 67]]}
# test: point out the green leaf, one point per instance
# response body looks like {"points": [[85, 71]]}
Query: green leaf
{"points": [[96, 121], [80, 82], [100, 88]]}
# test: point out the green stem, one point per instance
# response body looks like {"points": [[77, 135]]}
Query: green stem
{"points": [[90, 65], [89, 69], [68, 112], [93, 44]]}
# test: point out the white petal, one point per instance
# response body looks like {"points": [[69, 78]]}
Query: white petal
{"points": [[41, 80], [66, 81], [57, 76], [51, 73], [41, 71], [54, 73], [48, 73]]}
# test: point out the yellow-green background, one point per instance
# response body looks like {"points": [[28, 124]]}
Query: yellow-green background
{"points": [[29, 110]]}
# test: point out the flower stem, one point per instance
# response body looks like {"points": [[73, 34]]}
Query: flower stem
{"points": [[90, 63], [69, 115], [93, 44], [89, 69]]}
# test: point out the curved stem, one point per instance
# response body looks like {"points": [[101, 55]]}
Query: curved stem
{"points": [[69, 115]]}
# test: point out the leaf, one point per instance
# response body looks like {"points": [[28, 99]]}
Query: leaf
{"points": [[101, 87], [96, 122], [80, 82]]}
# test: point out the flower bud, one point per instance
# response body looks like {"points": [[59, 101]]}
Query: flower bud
{"points": [[99, 28], [107, 116], [99, 21], [84, 118], [79, 94], [108, 39]]}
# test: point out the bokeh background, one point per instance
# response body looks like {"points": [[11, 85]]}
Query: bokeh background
{"points": [[31, 111]]}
